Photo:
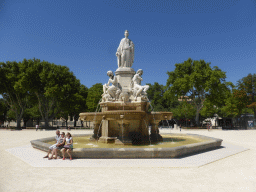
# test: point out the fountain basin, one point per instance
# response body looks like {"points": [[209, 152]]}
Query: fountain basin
{"points": [[208, 143], [125, 124]]}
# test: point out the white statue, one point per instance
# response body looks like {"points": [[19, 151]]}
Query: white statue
{"points": [[113, 91], [138, 89], [125, 52]]}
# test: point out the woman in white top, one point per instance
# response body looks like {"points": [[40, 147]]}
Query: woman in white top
{"points": [[59, 145], [68, 147]]}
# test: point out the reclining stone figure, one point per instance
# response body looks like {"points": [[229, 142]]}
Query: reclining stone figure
{"points": [[111, 92], [138, 89]]}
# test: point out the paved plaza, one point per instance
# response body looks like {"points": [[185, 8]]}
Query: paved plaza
{"points": [[230, 168]]}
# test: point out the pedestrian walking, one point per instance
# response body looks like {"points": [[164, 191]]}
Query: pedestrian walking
{"points": [[37, 126], [180, 127]]}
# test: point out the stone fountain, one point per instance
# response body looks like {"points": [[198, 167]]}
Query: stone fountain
{"points": [[125, 119], [125, 116]]}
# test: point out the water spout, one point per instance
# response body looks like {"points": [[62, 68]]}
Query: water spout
{"points": [[122, 130], [148, 131], [99, 129]]}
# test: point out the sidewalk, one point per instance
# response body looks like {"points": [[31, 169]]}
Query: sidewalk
{"points": [[232, 173]]}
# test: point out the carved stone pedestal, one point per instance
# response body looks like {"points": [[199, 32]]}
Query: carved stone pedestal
{"points": [[124, 141], [104, 139], [155, 136], [96, 131], [124, 76]]}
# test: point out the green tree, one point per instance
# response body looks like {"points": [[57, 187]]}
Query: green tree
{"points": [[197, 80], [79, 103], [15, 96], [209, 109], [184, 110], [248, 85], [32, 111], [3, 110], [94, 96], [235, 104], [11, 116], [155, 95], [53, 85], [74, 106]]}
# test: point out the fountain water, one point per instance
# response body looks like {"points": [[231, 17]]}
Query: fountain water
{"points": [[148, 131], [99, 130]]}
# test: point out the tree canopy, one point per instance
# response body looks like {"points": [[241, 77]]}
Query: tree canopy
{"points": [[39, 89], [247, 85], [55, 87], [14, 95], [155, 95], [3, 110], [198, 81], [94, 96]]}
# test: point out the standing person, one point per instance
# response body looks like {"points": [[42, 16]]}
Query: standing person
{"points": [[37, 127], [208, 126], [68, 147], [59, 146], [180, 127], [57, 137]]}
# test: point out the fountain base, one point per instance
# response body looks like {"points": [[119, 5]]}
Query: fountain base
{"points": [[207, 143], [129, 122], [107, 139]]}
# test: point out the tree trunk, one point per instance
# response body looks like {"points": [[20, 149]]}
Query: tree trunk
{"points": [[75, 119], [18, 123], [197, 117], [25, 122], [38, 121], [18, 118], [46, 122]]}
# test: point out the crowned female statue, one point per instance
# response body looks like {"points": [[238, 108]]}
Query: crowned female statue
{"points": [[125, 52]]}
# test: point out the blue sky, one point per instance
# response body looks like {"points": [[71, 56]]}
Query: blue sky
{"points": [[84, 35]]}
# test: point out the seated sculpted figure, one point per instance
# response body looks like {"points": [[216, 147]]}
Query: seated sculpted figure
{"points": [[138, 89], [113, 91]]}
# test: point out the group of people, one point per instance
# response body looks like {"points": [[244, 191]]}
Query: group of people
{"points": [[63, 144]]}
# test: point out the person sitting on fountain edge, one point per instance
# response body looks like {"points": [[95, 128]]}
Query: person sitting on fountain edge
{"points": [[57, 137], [68, 147], [59, 146]]}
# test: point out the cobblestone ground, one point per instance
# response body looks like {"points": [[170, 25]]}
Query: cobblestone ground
{"points": [[234, 173]]}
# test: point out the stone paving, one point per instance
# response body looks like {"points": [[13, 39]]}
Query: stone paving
{"points": [[231, 168]]}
